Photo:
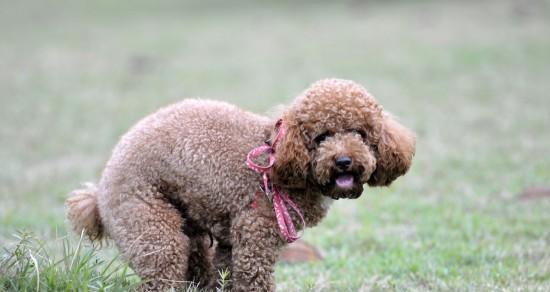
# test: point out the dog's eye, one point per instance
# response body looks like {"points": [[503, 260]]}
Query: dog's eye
{"points": [[321, 138]]}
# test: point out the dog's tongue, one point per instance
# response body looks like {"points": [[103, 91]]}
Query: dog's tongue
{"points": [[345, 181]]}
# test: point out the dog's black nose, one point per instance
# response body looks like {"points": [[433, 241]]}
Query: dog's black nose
{"points": [[343, 162]]}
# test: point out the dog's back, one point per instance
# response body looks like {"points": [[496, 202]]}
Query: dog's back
{"points": [[193, 150]]}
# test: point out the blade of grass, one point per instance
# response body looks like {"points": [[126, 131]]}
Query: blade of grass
{"points": [[36, 269]]}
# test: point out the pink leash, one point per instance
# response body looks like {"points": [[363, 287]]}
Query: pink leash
{"points": [[279, 198]]}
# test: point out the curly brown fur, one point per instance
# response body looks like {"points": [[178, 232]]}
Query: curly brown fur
{"points": [[83, 213], [178, 177]]}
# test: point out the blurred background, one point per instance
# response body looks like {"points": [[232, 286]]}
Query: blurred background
{"points": [[471, 78]]}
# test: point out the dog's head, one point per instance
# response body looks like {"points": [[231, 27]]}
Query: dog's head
{"points": [[337, 139]]}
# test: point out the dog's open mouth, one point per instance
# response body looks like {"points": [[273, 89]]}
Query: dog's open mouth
{"points": [[344, 180], [344, 185]]}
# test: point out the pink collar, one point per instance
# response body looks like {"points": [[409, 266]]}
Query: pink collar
{"points": [[279, 198]]}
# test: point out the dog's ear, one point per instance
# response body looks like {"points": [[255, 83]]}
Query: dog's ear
{"points": [[291, 158], [394, 152]]}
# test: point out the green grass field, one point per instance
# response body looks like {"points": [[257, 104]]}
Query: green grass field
{"points": [[472, 78]]}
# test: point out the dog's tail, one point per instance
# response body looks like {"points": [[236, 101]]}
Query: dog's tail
{"points": [[83, 212]]}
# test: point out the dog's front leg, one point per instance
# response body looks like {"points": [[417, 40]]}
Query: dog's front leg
{"points": [[256, 245]]}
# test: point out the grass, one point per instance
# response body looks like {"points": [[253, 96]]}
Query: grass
{"points": [[471, 79], [29, 265]]}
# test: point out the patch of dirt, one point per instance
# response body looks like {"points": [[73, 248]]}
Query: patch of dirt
{"points": [[299, 252], [535, 193]]}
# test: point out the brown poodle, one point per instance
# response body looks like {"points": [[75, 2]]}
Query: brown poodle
{"points": [[181, 204]]}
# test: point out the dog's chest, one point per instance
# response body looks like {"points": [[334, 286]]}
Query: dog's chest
{"points": [[313, 206]]}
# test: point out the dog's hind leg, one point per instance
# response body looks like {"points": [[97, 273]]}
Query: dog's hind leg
{"points": [[148, 231], [200, 269]]}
